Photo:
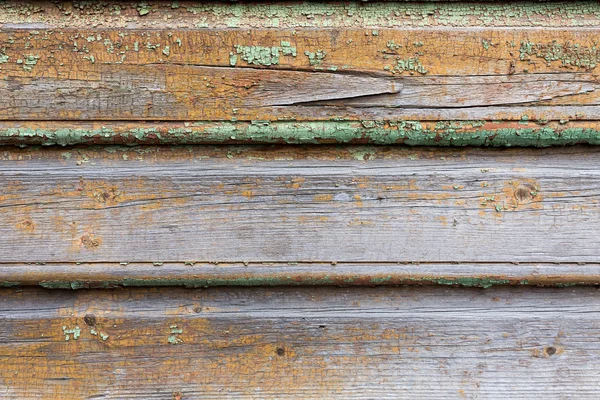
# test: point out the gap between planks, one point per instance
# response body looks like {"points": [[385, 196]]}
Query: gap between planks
{"points": [[203, 274]]}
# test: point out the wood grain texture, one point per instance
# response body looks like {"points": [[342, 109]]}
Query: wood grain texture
{"points": [[324, 72], [364, 208], [267, 75], [363, 343]]}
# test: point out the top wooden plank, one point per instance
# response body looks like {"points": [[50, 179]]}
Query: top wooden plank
{"points": [[300, 72]]}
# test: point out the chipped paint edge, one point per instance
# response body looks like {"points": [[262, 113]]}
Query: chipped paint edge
{"points": [[410, 133]]}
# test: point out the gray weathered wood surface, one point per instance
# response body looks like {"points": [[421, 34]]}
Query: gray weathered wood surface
{"points": [[150, 210], [359, 343]]}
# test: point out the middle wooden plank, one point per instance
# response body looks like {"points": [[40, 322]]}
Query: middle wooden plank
{"points": [[299, 204]]}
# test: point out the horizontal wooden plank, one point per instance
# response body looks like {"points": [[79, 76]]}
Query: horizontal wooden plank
{"points": [[388, 342], [358, 207], [299, 74]]}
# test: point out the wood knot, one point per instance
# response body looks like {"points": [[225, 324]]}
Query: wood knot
{"points": [[90, 241], [90, 319], [26, 225], [550, 350], [525, 193], [107, 196]]}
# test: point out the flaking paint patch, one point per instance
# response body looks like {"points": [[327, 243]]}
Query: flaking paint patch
{"points": [[259, 55], [174, 336], [29, 62], [568, 54], [315, 58], [410, 65], [76, 332]]}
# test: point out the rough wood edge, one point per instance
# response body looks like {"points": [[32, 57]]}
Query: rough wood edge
{"points": [[383, 132], [193, 275], [280, 14]]}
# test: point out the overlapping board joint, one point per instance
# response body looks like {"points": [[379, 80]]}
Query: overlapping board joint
{"points": [[428, 73]]}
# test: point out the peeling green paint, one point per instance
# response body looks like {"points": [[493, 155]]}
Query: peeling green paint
{"points": [[29, 62], [467, 281], [265, 56], [76, 332], [369, 16], [174, 336], [564, 285], [411, 64], [232, 59], [382, 14], [381, 280], [144, 9], [412, 133], [315, 59], [569, 54]]}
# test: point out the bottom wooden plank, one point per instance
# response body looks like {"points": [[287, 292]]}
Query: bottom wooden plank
{"points": [[384, 342]]}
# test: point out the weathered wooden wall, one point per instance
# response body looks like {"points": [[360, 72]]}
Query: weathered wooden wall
{"points": [[278, 192]]}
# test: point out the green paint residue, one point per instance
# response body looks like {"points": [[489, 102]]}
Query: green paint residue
{"points": [[173, 337], [468, 282], [258, 55], [392, 45], [381, 280], [144, 9], [569, 54], [29, 62], [412, 64], [380, 132], [287, 49], [103, 335], [76, 332], [232, 59], [315, 59]]}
